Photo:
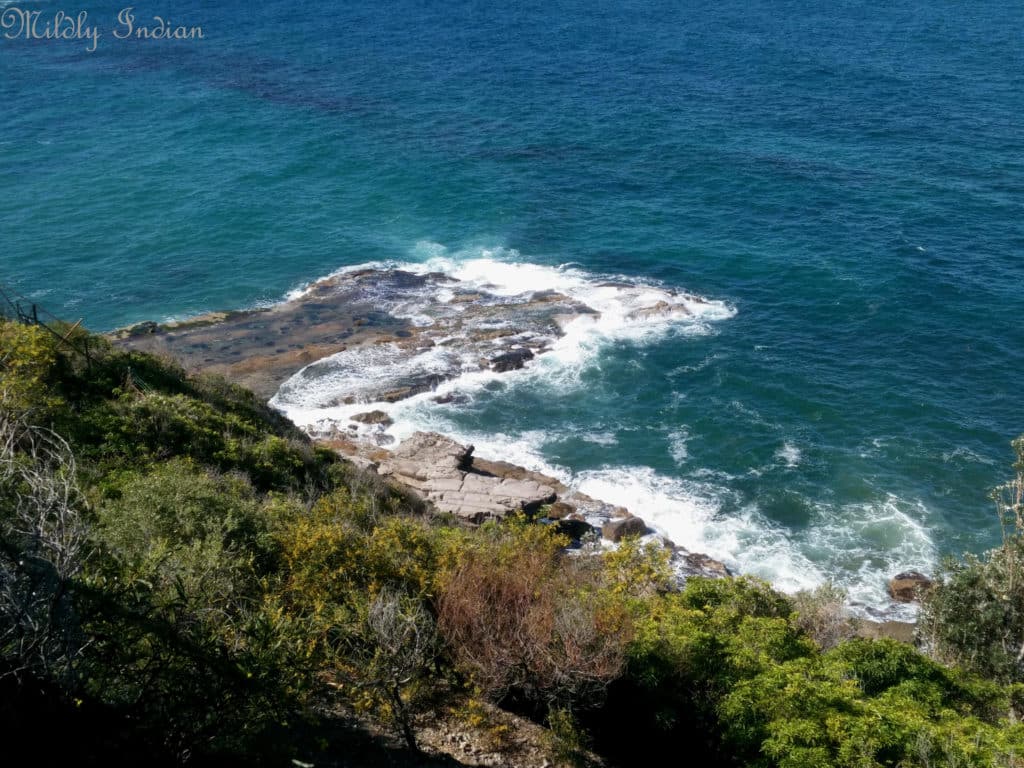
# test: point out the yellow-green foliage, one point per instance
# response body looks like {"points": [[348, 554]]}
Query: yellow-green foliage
{"points": [[181, 530], [867, 703], [28, 358], [637, 570]]}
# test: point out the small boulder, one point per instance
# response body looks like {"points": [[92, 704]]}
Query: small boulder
{"points": [[373, 417], [616, 530], [451, 398], [907, 587], [430, 455], [143, 328], [559, 510], [574, 529], [511, 361], [698, 564]]}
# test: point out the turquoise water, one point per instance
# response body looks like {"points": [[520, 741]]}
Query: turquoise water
{"points": [[848, 178]]}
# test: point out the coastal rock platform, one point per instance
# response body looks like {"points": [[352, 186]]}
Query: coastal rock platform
{"points": [[440, 471], [361, 340]]}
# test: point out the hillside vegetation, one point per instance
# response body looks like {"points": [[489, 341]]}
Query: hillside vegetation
{"points": [[185, 578]]}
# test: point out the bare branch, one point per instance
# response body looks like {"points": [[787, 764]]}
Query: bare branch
{"points": [[42, 547]]}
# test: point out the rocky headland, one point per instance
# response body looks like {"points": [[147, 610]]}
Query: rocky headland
{"points": [[370, 337], [360, 341]]}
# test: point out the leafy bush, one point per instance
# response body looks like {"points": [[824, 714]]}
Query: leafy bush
{"points": [[865, 703], [28, 370]]}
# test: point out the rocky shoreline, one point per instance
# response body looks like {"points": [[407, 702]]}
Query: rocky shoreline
{"points": [[376, 320], [360, 340], [445, 474]]}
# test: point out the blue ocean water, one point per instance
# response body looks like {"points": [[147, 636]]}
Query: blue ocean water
{"points": [[848, 177]]}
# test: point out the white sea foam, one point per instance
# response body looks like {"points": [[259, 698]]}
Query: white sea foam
{"points": [[860, 545], [855, 546], [689, 512], [963, 453], [677, 445], [629, 311], [789, 454], [600, 438]]}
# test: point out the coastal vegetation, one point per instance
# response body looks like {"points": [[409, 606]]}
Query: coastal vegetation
{"points": [[186, 578]]}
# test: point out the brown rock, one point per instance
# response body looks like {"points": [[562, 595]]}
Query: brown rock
{"points": [[616, 530], [394, 395], [559, 510], [373, 417], [513, 471], [697, 564], [466, 298], [897, 630], [436, 454], [437, 467], [908, 587], [660, 308]]}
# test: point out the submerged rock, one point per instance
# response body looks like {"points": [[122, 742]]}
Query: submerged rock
{"points": [[394, 322]]}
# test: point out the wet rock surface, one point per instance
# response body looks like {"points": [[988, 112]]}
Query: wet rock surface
{"points": [[378, 335], [373, 417], [908, 587]]}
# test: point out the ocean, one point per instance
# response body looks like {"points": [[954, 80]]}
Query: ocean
{"points": [[842, 182]]}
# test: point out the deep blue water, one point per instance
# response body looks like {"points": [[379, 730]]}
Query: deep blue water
{"points": [[849, 178]]}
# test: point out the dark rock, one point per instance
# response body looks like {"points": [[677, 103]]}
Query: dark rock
{"points": [[511, 361], [574, 529], [908, 587], [452, 398], [616, 530], [394, 395], [142, 329]]}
